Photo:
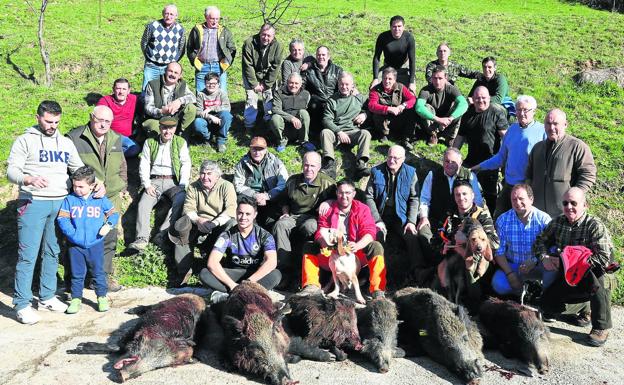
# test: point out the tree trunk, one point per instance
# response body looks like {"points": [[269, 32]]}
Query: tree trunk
{"points": [[44, 54]]}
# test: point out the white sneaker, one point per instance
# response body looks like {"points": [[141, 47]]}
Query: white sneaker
{"points": [[28, 316], [53, 304], [218, 296]]}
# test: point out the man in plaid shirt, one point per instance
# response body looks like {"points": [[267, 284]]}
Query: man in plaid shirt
{"points": [[517, 229], [576, 227]]}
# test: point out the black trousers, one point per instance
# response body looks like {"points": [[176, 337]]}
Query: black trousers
{"points": [[208, 279]]}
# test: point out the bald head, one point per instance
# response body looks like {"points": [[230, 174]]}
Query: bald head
{"points": [[481, 99], [100, 122], [395, 158], [555, 124], [574, 204]]}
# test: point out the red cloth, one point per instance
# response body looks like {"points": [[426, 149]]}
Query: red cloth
{"points": [[575, 263], [377, 108], [361, 221], [123, 115]]}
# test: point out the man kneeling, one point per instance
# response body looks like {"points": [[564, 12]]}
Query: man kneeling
{"points": [[249, 252]]}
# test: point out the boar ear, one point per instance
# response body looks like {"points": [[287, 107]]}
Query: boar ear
{"points": [[125, 361], [232, 325]]}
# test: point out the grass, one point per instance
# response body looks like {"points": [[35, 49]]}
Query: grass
{"points": [[540, 46]]}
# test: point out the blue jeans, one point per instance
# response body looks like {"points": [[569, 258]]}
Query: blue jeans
{"points": [[151, 71], [36, 220], [200, 81], [501, 285], [93, 258], [202, 127], [129, 146]]}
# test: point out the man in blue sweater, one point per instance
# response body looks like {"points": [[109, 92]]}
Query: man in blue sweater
{"points": [[514, 151]]}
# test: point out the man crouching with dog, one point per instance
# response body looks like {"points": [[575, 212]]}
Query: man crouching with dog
{"points": [[353, 218]]}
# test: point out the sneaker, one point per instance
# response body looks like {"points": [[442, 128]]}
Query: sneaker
{"points": [[329, 167], [361, 170], [308, 146], [280, 148], [310, 290], [183, 279], [218, 296], [221, 147], [113, 285], [597, 337], [140, 244], [28, 316], [53, 304], [582, 319], [549, 317], [378, 294], [103, 304], [74, 306]]}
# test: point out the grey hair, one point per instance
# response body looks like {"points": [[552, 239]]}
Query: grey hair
{"points": [[453, 150], [295, 41], [346, 74], [210, 165], [528, 99], [210, 9], [389, 70], [170, 6], [295, 75]]}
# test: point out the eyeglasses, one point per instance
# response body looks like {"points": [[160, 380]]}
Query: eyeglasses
{"points": [[105, 121], [395, 158], [573, 203], [212, 84], [258, 149], [525, 110]]}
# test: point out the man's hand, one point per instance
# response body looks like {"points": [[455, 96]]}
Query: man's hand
{"points": [[36, 181], [261, 199], [296, 123], [205, 226], [410, 228], [353, 246], [150, 190], [99, 190], [324, 208], [382, 227], [304, 67], [393, 111], [550, 263], [374, 83], [343, 138], [527, 266], [359, 119], [412, 87], [444, 122], [105, 229], [215, 119], [470, 101], [259, 88], [514, 281], [422, 223]]}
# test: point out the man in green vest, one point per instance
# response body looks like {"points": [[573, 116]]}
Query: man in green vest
{"points": [[164, 170]]}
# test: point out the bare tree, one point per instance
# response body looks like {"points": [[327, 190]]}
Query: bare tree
{"points": [[45, 57], [273, 12]]}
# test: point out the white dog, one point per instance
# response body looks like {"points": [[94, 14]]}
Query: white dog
{"points": [[343, 264]]}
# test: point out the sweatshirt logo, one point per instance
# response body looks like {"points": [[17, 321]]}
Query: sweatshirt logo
{"points": [[50, 156]]}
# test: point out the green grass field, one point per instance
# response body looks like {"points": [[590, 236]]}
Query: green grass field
{"points": [[539, 45]]}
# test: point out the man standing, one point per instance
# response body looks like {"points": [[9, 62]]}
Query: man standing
{"points": [[168, 95], [162, 43], [557, 163], [38, 164], [398, 48], [211, 48], [101, 149], [262, 57], [482, 127], [164, 170], [321, 81], [290, 117], [354, 219], [440, 106], [246, 251], [517, 229], [453, 70], [391, 105], [575, 227], [261, 176], [209, 209], [514, 151], [342, 120], [392, 196], [123, 105]]}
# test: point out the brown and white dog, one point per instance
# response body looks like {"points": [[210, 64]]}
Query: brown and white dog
{"points": [[343, 264]]}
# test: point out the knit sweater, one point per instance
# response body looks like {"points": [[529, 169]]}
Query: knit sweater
{"points": [[212, 103], [161, 45], [218, 205]]}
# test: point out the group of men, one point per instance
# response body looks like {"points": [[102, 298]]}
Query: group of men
{"points": [[267, 225]]}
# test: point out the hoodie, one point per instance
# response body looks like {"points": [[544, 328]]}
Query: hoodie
{"points": [[36, 154]]}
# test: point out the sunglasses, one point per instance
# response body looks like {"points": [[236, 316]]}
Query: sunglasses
{"points": [[258, 148], [573, 203]]}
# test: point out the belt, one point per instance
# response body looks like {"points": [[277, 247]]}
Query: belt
{"points": [[161, 176]]}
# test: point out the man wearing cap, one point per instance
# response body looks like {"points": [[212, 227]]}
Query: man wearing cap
{"points": [[209, 209], [261, 176], [165, 169]]}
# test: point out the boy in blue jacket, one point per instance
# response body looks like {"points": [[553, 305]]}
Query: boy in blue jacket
{"points": [[85, 221]]}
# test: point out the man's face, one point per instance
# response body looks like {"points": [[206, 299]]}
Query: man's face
{"points": [[443, 53], [296, 52], [121, 91], [345, 195], [489, 69], [322, 57], [574, 205], [397, 29], [311, 167], [82, 188], [245, 216], [388, 80], [438, 80], [170, 14], [48, 123], [173, 73], [212, 19], [100, 122], [208, 178], [212, 86], [481, 99], [464, 198], [267, 36], [395, 159], [451, 163], [294, 85], [345, 85], [555, 125], [521, 202], [525, 113], [257, 153], [166, 133]]}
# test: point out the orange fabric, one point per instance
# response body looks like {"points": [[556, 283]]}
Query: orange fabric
{"points": [[377, 266], [310, 270]]}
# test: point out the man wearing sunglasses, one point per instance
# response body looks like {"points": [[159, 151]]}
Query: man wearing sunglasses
{"points": [[575, 227]]}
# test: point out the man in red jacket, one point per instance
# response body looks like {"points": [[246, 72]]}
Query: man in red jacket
{"points": [[355, 219]]}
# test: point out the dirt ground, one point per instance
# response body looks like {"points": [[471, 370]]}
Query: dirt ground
{"points": [[37, 354]]}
